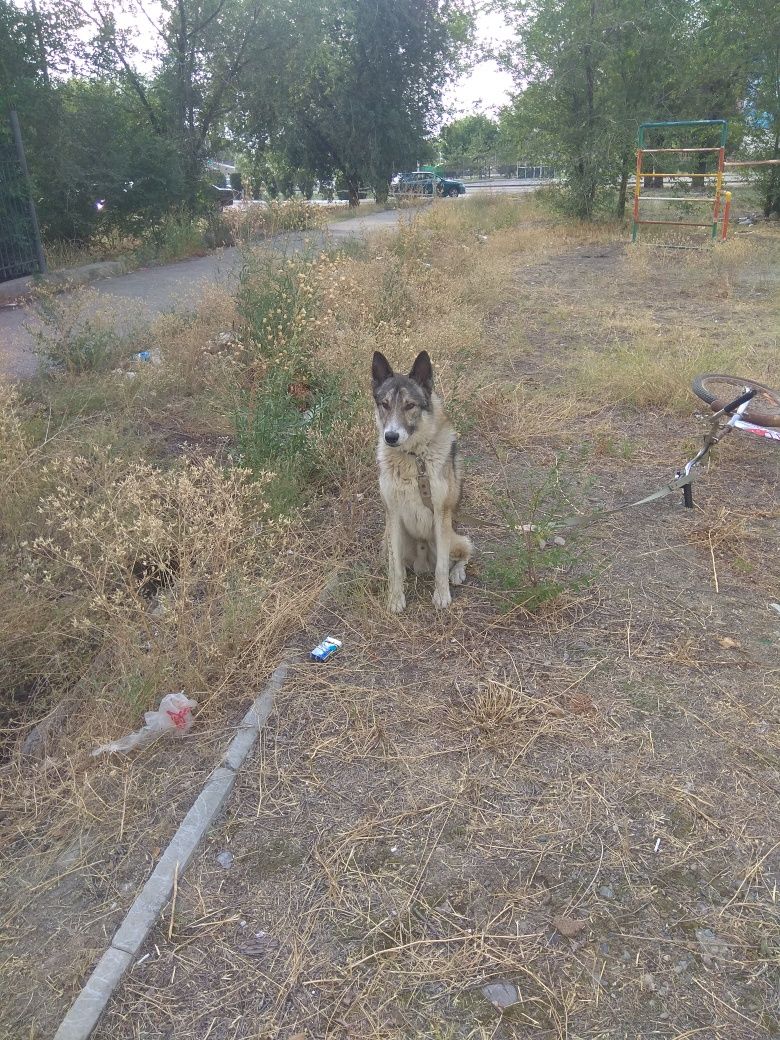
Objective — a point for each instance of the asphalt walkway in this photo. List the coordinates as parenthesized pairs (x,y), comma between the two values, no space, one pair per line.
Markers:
(153,290)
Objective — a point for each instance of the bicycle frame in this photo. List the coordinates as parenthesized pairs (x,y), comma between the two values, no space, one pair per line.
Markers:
(717,432)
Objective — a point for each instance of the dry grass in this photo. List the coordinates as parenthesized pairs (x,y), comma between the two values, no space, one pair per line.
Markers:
(427,806)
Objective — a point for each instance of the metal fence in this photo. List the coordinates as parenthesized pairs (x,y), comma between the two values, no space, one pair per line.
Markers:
(20,246)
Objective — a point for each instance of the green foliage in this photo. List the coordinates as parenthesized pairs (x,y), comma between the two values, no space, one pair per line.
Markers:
(367,86)
(284,420)
(538,566)
(68,338)
(469,142)
(276,434)
(589,71)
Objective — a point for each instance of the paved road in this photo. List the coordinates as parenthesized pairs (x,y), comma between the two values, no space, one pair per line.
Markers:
(153,290)
(508,185)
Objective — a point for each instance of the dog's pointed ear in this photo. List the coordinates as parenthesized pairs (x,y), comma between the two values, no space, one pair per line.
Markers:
(422,371)
(380,370)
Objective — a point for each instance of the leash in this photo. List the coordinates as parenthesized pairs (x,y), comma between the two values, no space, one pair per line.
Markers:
(682,481)
(683,478)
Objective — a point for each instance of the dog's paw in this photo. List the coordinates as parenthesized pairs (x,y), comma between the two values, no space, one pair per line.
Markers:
(442,598)
(396,602)
(458,573)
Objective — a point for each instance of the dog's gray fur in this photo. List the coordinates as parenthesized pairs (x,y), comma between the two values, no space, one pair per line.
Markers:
(412,425)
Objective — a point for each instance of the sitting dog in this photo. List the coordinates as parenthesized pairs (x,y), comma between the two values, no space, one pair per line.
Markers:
(420,479)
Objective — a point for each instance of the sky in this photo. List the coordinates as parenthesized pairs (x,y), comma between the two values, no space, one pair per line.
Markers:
(487,87)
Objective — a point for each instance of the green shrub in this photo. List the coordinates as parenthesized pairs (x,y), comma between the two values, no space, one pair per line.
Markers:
(538,566)
(70,336)
(284,420)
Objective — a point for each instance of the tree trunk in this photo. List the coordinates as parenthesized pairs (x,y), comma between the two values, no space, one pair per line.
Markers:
(772,190)
(42,58)
(381,190)
(625,168)
(353,189)
(589,181)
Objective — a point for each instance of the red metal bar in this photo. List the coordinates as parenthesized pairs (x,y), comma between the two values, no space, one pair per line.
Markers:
(683,198)
(678,223)
(726,211)
(647,173)
(718,188)
(657,151)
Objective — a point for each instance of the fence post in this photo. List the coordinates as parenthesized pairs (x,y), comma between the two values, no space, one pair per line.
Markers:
(17,133)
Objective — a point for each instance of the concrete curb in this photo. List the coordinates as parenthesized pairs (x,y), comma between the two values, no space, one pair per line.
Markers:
(18,288)
(91,1002)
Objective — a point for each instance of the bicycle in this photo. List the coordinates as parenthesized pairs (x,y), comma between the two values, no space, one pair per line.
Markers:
(756,410)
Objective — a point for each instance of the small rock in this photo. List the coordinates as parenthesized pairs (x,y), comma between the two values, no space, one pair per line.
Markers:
(711,946)
(606,892)
(647,982)
(680,966)
(557,540)
(501,994)
(569,926)
(226,859)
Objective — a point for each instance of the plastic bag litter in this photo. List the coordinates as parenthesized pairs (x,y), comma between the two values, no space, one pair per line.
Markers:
(174,716)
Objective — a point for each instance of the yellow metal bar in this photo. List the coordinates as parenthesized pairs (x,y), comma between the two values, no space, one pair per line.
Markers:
(658,173)
(669,198)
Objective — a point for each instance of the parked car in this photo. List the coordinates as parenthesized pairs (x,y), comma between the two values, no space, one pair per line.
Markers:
(422,182)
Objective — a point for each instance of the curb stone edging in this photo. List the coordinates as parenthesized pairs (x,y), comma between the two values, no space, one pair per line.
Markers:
(91,1002)
(17,289)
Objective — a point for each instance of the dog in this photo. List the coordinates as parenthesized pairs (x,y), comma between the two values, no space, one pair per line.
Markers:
(420,480)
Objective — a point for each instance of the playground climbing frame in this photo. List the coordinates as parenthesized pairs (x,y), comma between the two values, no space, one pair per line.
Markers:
(717,175)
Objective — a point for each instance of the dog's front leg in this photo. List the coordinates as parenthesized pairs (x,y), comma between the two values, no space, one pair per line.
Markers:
(396,567)
(442,527)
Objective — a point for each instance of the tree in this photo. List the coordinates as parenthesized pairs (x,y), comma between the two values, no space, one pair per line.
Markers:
(365,87)
(205,50)
(589,71)
(469,141)
(747,35)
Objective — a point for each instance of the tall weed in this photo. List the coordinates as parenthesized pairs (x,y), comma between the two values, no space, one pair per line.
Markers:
(293,402)
(72,334)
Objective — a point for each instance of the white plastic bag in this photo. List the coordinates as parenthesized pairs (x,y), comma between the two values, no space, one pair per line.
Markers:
(174,717)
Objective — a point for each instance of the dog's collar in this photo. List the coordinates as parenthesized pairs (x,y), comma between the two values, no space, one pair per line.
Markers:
(423,481)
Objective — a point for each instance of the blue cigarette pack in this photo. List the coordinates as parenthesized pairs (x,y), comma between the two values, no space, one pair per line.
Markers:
(327,648)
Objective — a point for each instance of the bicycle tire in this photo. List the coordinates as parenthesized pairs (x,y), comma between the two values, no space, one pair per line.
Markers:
(716,391)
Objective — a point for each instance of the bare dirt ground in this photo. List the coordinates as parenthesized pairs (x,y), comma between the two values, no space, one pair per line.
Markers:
(551,812)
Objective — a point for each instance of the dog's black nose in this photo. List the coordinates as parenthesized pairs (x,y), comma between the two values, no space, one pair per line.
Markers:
(391,438)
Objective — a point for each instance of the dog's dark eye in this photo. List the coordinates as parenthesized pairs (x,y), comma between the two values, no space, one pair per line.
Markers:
(409,407)
(385,405)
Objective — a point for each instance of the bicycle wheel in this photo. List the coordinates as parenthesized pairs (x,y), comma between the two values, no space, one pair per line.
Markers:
(718,390)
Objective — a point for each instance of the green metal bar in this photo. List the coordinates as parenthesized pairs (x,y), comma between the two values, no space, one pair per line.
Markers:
(690,122)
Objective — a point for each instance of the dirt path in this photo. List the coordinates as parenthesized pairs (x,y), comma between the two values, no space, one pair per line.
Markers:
(154,290)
